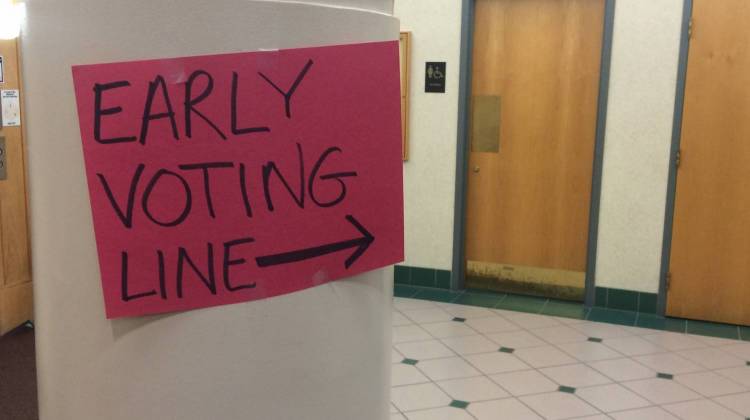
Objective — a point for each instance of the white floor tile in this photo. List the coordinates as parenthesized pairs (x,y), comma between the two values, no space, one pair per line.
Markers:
(471,344)
(701,410)
(418,397)
(675,341)
(710,384)
(475,389)
(739,374)
(448,329)
(633,346)
(668,363)
(407,303)
(612,397)
(424,350)
(650,413)
(524,382)
(492,324)
(402,374)
(467,312)
(715,341)
(568,321)
(406,333)
(398,319)
(623,369)
(740,403)
(712,358)
(425,315)
(507,409)
(711,378)
(662,391)
(444,413)
(544,356)
(516,339)
(558,334)
(587,351)
(558,405)
(741,350)
(496,362)
(601,330)
(396,357)
(448,368)
(577,376)
(529,321)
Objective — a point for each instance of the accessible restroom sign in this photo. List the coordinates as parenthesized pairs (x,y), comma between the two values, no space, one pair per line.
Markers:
(228,178)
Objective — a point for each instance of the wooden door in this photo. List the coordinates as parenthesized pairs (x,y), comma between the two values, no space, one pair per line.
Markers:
(710,254)
(15,276)
(535,85)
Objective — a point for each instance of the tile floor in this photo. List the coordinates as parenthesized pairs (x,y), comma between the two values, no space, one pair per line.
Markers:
(456,362)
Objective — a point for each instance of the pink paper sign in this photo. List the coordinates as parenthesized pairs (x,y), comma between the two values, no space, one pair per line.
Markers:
(228,178)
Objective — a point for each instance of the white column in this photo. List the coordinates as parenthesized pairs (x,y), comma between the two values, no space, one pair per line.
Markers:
(318,354)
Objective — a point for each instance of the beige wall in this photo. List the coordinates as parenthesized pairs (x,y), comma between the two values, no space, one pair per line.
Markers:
(636,152)
(429,175)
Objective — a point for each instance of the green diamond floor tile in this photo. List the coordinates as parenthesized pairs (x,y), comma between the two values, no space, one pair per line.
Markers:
(506,350)
(595,339)
(522,304)
(567,389)
(713,329)
(664,375)
(459,404)
(408,361)
(612,316)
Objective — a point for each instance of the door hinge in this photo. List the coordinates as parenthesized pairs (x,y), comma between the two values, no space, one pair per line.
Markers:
(690,29)
(678,158)
(669,280)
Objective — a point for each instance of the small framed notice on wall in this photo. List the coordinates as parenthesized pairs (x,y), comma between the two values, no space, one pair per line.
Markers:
(434,77)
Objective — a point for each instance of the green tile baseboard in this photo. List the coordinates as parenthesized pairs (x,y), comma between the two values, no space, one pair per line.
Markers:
(422,277)
(572,310)
(605,297)
(625,300)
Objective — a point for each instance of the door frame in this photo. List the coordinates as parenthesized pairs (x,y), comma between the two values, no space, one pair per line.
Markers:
(679,106)
(458,272)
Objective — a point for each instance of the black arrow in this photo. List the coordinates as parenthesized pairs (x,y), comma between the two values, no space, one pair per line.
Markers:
(361,243)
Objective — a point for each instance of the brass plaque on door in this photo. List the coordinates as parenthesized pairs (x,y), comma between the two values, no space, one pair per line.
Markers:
(485,124)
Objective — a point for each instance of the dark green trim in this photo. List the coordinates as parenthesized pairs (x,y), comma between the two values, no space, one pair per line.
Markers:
(679,103)
(558,308)
(462,145)
(625,300)
(422,277)
(598,164)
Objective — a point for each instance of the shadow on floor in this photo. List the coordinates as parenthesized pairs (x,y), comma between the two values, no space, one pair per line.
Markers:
(18,399)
